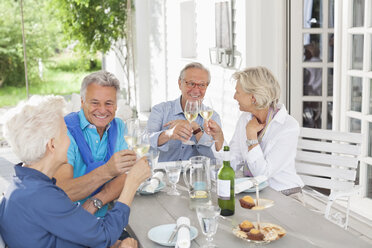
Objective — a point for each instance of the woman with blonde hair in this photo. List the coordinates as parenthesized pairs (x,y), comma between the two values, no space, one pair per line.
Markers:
(34,211)
(265,137)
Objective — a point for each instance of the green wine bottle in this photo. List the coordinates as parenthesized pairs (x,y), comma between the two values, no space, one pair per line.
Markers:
(225,186)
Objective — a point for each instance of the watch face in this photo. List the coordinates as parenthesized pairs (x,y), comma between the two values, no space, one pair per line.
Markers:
(97,203)
(252,142)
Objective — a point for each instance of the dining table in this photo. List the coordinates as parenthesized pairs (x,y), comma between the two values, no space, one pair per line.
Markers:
(304,227)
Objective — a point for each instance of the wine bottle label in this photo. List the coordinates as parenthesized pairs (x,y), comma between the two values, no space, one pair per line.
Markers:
(226,156)
(223,189)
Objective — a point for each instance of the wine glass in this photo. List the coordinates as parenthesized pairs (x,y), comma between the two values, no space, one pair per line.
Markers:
(191,113)
(215,166)
(208,220)
(142,146)
(173,171)
(206,111)
(131,130)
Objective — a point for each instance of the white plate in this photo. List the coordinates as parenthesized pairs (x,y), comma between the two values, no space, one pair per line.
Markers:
(160,234)
(261,186)
(160,187)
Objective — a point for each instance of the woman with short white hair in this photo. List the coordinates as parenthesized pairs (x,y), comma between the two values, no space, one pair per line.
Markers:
(35,212)
(265,137)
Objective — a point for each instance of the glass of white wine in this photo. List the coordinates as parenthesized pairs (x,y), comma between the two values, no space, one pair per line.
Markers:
(206,111)
(131,130)
(142,145)
(191,113)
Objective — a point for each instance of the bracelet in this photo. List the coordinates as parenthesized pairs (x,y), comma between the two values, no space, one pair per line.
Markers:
(198,130)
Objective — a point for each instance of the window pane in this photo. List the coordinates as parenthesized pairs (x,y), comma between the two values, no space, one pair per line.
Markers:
(329,114)
(312,82)
(355,125)
(330,47)
(312,114)
(313,13)
(369,181)
(358,13)
(357,55)
(370,140)
(330,82)
(312,48)
(331,13)
(356,94)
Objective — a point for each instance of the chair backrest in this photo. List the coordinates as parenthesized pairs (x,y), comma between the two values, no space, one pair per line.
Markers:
(328,159)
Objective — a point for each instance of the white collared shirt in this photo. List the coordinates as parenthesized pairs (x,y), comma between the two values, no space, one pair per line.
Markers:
(274,157)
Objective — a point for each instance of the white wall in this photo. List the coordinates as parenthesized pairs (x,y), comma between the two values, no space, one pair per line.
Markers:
(260,38)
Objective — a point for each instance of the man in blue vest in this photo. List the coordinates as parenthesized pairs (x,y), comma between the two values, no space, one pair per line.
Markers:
(97,156)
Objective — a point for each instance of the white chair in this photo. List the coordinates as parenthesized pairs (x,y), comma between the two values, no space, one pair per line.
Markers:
(329,159)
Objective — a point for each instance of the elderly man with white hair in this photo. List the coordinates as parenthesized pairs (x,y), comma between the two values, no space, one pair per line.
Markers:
(97,144)
(35,212)
(170,132)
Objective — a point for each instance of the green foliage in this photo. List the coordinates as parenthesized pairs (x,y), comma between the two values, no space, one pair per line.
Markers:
(96,24)
(42,38)
(58,80)
(74,62)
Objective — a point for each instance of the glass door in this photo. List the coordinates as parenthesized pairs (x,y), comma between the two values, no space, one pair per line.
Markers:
(311,67)
(356,100)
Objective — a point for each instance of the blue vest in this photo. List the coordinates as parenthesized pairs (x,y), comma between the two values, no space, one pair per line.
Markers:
(73,124)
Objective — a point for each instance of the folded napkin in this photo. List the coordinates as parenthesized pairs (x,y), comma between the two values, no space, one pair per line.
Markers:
(154,182)
(247,184)
(183,235)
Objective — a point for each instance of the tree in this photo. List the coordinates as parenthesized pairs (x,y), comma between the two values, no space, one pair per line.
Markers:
(41,33)
(98,26)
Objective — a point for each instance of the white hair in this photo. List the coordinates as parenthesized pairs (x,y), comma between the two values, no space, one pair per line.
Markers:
(29,126)
(192,66)
(102,78)
(260,82)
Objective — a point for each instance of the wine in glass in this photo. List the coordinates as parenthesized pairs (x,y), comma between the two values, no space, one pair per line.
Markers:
(208,220)
(173,171)
(206,111)
(131,130)
(191,113)
(142,145)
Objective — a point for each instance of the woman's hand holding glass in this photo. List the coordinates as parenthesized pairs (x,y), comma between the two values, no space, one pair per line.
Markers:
(212,128)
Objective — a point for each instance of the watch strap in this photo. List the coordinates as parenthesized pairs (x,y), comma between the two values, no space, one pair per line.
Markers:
(251,142)
(198,130)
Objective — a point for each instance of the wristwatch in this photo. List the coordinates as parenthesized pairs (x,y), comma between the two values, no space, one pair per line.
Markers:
(199,129)
(251,142)
(97,203)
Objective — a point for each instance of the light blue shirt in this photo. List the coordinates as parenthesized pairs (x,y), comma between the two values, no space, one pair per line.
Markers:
(174,150)
(98,147)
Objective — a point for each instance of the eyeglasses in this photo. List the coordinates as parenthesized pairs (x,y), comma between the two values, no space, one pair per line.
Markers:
(191,84)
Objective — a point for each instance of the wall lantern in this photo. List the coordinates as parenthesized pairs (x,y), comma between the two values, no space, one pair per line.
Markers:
(224,54)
